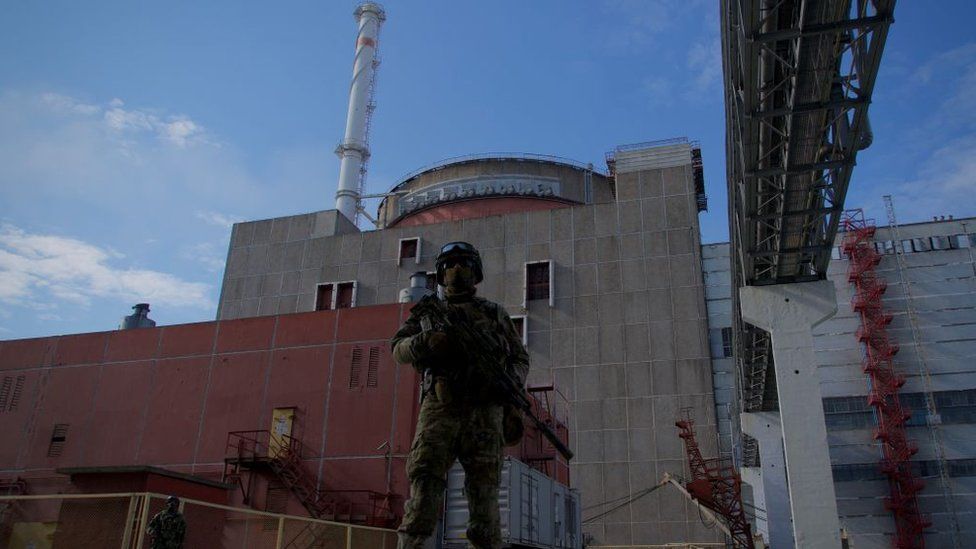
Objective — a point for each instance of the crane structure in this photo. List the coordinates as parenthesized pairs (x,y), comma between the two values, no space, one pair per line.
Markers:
(716,485)
(884,381)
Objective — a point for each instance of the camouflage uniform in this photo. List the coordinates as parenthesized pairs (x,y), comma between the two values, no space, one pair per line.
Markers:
(167,530)
(460,419)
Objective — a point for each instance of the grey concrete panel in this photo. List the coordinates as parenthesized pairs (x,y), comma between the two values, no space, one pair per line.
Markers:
(270,285)
(562,224)
(237,262)
(372,245)
(637,342)
(351,248)
(641,443)
(607,249)
(563,314)
(537,226)
(241,235)
(678,211)
(309,278)
(657,271)
(229,310)
(515,259)
(681,241)
(659,305)
(675,180)
(640,413)
(257,259)
(639,379)
(610,309)
(268,306)
(248,308)
(591,447)
(616,449)
(668,445)
(588,414)
(688,340)
(564,378)
(539,350)
(287,304)
(686,301)
(635,306)
(613,381)
(628,186)
(317,250)
(614,413)
(632,246)
(611,344)
(652,185)
(369,274)
(252,287)
(537,252)
(585,279)
(664,377)
(694,376)
(562,252)
(473,231)
(563,347)
(365,295)
(587,346)
(583,222)
(605,219)
(631,219)
(300,227)
(608,277)
(653,214)
(590,480)
(387,294)
(494,232)
(684,271)
(262,231)
(293,256)
(349,271)
(233,289)
(655,244)
(584,251)
(279,229)
(632,275)
(662,339)
(619,533)
(515,230)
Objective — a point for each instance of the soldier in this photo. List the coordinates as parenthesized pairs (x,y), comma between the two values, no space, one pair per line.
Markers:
(462,417)
(168,527)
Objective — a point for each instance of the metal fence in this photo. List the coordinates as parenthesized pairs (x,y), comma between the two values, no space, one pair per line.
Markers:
(89,521)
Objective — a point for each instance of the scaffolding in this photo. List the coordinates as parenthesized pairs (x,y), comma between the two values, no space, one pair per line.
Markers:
(884,381)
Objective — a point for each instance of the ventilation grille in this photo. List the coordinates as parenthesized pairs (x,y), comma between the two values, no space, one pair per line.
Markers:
(10,390)
(58,439)
(355,367)
(372,372)
(372,368)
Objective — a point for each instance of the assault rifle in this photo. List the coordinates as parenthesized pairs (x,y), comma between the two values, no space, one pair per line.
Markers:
(434,315)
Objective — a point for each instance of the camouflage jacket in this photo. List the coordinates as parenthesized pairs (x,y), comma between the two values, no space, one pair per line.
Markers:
(167,530)
(409,345)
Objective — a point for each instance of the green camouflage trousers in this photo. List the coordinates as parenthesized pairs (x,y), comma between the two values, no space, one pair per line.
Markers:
(473,436)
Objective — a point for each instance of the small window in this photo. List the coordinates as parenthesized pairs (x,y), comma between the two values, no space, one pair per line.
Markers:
(58,439)
(521,325)
(727,342)
(921,244)
(409,249)
(940,243)
(538,276)
(907,247)
(323,297)
(345,295)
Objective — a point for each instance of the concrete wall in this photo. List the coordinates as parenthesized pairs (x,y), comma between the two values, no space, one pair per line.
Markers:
(943,286)
(625,338)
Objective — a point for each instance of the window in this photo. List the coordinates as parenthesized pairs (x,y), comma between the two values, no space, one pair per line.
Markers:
(58,439)
(921,244)
(727,342)
(335,295)
(521,323)
(538,276)
(409,249)
(345,295)
(323,297)
(940,243)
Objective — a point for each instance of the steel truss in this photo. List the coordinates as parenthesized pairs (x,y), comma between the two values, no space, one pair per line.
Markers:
(799,75)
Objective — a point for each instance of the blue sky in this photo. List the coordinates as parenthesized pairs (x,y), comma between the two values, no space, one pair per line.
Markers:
(132,135)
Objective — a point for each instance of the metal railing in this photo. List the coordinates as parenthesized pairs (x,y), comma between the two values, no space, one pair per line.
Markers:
(122,519)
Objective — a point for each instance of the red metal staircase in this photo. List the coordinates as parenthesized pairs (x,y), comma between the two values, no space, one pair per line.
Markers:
(879,352)
(716,484)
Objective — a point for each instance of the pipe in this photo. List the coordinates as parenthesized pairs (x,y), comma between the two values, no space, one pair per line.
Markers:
(353,150)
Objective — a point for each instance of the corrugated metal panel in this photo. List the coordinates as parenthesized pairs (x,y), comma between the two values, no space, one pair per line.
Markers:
(665,156)
(533,509)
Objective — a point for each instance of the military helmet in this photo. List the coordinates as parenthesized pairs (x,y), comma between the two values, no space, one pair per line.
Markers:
(456,250)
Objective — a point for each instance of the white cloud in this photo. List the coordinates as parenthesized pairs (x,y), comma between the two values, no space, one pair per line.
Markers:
(704,62)
(207,254)
(217,219)
(36,267)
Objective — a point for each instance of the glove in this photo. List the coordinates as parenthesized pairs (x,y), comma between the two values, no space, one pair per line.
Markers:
(437,343)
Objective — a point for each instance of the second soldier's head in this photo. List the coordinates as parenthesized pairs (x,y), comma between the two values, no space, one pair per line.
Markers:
(459,266)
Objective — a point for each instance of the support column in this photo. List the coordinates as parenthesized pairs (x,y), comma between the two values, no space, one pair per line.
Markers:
(769,480)
(789,312)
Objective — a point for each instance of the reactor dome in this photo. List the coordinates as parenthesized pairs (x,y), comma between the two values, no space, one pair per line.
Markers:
(491,184)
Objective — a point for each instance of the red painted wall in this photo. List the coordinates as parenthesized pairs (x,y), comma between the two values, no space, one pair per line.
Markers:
(168,397)
(478,207)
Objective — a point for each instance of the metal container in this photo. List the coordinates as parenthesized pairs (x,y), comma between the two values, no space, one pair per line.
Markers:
(536,511)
